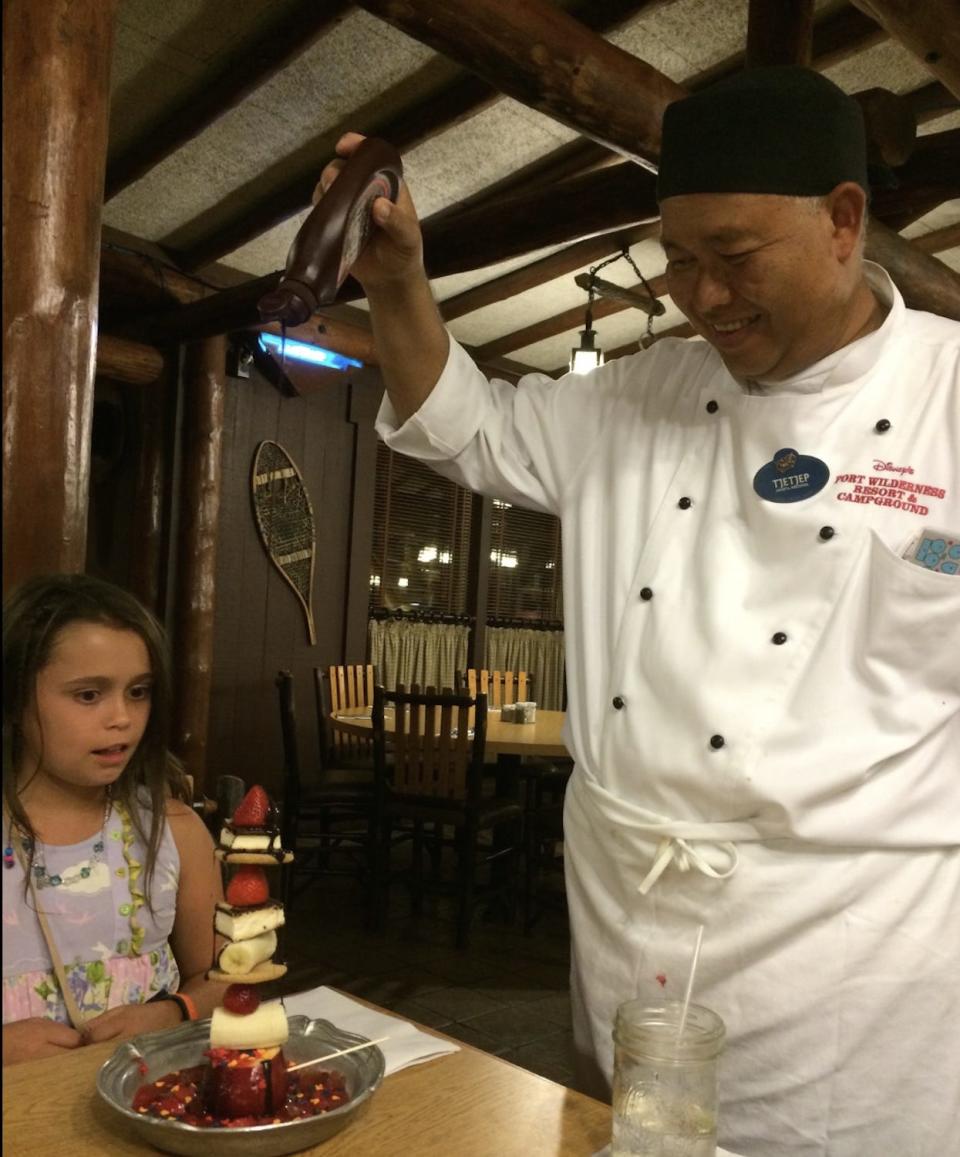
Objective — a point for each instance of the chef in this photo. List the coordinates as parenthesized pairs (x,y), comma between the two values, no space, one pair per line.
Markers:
(761,536)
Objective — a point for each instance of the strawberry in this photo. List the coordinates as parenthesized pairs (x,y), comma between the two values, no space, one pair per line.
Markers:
(248,887)
(241,999)
(254,809)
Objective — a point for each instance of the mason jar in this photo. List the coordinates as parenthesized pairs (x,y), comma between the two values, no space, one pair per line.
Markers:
(664,1084)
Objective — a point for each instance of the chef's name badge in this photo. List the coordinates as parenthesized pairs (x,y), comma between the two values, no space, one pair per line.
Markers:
(791,477)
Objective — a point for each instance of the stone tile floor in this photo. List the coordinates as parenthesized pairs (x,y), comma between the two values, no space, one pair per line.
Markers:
(507,994)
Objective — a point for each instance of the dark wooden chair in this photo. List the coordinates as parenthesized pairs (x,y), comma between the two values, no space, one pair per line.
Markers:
(436,777)
(329,819)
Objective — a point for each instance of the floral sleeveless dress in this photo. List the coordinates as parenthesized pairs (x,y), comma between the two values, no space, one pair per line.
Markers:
(115,951)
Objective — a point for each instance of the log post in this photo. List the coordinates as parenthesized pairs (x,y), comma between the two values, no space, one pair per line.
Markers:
(204,389)
(779,32)
(151,494)
(56,99)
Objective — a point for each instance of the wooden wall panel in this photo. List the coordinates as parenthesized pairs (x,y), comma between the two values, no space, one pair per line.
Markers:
(260,626)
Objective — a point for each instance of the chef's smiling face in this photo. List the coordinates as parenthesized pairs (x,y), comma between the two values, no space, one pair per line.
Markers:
(770,281)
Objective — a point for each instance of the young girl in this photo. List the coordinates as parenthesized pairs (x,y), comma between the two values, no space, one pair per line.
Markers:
(96,833)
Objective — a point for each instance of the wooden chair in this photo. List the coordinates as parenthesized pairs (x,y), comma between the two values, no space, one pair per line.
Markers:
(328,822)
(337,688)
(500,687)
(437,777)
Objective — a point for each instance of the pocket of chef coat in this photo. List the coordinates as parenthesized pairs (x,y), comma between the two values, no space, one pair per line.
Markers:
(910,624)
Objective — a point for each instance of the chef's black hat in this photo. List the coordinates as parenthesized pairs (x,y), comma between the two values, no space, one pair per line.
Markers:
(784,130)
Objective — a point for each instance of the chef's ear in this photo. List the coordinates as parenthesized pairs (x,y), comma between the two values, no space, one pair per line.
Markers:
(847,206)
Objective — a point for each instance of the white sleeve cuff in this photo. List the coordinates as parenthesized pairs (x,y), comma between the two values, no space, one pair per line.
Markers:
(449,418)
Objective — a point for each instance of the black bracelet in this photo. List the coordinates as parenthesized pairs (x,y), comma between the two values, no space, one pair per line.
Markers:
(186,1011)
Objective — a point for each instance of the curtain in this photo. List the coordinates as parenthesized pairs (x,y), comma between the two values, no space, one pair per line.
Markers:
(539,653)
(406,652)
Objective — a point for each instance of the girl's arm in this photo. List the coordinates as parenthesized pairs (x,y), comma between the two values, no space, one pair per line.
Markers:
(192,939)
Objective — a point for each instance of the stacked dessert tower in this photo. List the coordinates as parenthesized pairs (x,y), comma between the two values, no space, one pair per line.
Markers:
(249,1073)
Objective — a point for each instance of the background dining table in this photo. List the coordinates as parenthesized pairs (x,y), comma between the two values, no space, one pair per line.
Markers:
(469,1103)
(541,738)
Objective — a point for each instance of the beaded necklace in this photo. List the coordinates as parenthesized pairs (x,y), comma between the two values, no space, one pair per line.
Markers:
(41,877)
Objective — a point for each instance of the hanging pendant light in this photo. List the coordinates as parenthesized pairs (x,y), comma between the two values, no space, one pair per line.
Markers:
(588,355)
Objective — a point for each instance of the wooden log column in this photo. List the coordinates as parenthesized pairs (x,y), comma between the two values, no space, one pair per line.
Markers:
(204,388)
(56,97)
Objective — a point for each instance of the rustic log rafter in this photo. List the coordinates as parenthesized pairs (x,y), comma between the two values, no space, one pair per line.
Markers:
(241,298)
(930,29)
(455,102)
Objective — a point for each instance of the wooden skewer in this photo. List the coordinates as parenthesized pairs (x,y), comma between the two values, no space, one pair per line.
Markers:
(340,1053)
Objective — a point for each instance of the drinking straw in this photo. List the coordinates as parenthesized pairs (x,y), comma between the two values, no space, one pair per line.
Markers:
(693,972)
(340,1053)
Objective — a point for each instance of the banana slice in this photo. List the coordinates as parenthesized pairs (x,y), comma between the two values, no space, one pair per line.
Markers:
(263,1028)
(242,956)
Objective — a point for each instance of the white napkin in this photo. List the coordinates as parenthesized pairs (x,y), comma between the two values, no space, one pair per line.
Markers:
(407,1045)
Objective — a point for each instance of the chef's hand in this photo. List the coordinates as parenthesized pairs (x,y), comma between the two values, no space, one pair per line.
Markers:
(395,251)
(36,1037)
(131,1019)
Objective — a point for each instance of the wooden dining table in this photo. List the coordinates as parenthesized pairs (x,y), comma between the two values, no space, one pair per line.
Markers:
(541,738)
(467,1103)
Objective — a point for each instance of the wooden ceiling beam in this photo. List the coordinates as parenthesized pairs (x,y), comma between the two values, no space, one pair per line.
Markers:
(282,41)
(937,240)
(567,320)
(925,282)
(543,57)
(546,269)
(930,29)
(779,32)
(930,176)
(931,101)
(623,196)
(455,102)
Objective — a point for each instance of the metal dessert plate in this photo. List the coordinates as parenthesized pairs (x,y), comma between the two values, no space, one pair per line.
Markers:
(164,1052)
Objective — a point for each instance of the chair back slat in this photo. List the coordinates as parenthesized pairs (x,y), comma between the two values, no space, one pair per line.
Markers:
(346,687)
(500,687)
(433,753)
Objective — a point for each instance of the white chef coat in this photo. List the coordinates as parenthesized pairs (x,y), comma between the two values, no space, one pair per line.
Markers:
(763,710)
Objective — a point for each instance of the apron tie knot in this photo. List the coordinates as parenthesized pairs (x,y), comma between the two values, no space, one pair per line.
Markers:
(674,849)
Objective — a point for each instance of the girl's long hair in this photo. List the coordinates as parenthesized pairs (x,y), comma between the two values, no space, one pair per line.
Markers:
(33,617)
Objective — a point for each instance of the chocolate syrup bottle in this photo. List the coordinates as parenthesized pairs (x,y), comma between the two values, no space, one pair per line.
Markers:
(334,235)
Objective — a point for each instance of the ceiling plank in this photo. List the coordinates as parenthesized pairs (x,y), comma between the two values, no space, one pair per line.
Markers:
(544,58)
(779,32)
(453,103)
(276,45)
(930,29)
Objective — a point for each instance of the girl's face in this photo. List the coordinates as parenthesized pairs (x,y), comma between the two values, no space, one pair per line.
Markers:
(90,707)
